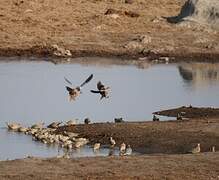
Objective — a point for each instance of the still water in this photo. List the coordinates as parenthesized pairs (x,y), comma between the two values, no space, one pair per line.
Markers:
(34,91)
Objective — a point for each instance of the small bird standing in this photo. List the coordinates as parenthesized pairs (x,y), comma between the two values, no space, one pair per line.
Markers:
(102,90)
(213,149)
(75,92)
(96,146)
(122,148)
(54,125)
(155,118)
(197,149)
(128,150)
(112,142)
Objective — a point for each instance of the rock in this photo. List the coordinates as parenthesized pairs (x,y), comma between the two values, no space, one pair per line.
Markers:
(129,1)
(111,11)
(60,52)
(198,11)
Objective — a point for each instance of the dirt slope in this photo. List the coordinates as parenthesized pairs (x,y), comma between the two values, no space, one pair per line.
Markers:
(101,27)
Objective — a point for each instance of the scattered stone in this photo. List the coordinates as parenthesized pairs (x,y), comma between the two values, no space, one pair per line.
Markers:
(121,13)
(129,1)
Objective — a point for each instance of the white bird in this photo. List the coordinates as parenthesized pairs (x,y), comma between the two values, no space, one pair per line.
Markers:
(213,149)
(197,149)
(54,125)
(22,129)
(13,126)
(128,150)
(96,146)
(112,141)
(122,148)
(37,126)
(71,122)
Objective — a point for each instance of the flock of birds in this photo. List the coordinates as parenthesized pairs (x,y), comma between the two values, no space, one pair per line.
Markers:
(67,140)
(70,140)
(74,92)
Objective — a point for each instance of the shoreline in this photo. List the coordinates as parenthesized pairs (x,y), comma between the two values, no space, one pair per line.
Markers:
(46,52)
(174,167)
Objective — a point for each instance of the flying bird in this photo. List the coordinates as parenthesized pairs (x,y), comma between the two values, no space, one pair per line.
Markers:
(102,90)
(75,92)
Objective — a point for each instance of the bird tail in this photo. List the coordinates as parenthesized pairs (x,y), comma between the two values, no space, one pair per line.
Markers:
(93,91)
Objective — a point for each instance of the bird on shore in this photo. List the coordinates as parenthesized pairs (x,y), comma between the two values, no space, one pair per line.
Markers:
(75,92)
(54,125)
(102,90)
(96,146)
(13,126)
(128,150)
(87,121)
(38,125)
(122,148)
(155,118)
(197,149)
(112,142)
(213,149)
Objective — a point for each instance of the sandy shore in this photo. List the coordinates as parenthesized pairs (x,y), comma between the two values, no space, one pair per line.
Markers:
(164,148)
(175,167)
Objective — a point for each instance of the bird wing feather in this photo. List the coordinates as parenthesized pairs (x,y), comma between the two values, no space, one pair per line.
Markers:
(87,80)
(68,88)
(100,86)
(67,80)
(93,91)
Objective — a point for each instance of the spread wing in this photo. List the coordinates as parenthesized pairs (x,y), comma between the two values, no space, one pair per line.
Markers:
(67,80)
(93,91)
(68,88)
(87,80)
(100,86)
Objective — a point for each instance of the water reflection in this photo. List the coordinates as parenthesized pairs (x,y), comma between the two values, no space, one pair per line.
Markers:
(199,74)
(103,62)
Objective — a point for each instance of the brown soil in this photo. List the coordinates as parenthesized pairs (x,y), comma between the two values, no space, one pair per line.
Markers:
(154,137)
(85,28)
(174,167)
(166,140)
(191,112)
